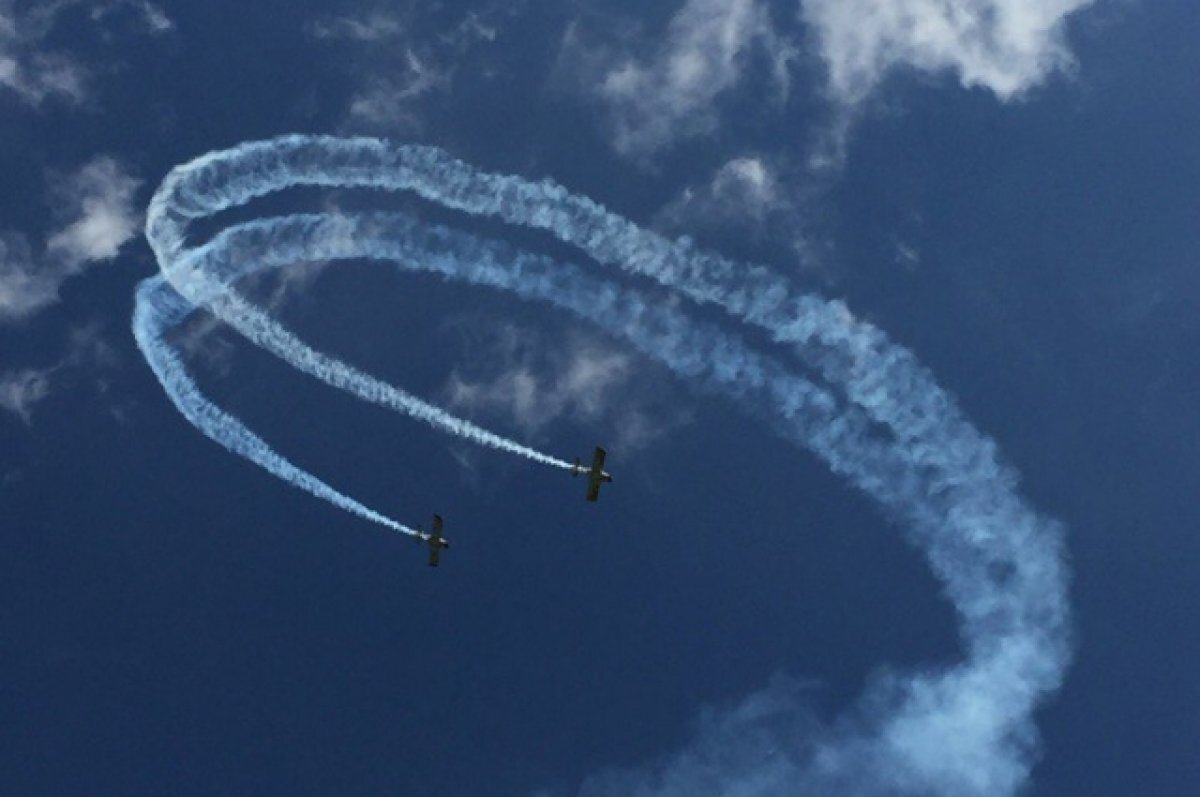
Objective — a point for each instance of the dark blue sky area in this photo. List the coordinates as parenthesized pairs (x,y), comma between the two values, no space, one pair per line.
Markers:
(175,621)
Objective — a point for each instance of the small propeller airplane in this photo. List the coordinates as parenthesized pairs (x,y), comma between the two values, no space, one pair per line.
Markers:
(435,540)
(596,474)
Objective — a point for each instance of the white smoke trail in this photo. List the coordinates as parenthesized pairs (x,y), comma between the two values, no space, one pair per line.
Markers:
(157,309)
(264,331)
(964,731)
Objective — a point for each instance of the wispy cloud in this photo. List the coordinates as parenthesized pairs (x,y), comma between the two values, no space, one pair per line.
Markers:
(392,99)
(369,27)
(37,73)
(759,199)
(150,16)
(658,94)
(578,381)
(671,92)
(742,193)
(21,390)
(26,70)
(1004,46)
(407,58)
(97,216)
(98,200)
(535,384)
(25,286)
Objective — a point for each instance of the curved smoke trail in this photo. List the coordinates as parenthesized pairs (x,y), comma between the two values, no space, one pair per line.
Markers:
(157,309)
(880,420)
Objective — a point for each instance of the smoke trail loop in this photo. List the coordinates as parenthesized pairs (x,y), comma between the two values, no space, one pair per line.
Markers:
(876,417)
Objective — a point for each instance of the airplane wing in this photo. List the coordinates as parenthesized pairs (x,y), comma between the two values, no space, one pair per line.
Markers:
(434,552)
(437,525)
(596,474)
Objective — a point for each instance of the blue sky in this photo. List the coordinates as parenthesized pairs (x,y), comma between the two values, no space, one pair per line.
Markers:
(1008,189)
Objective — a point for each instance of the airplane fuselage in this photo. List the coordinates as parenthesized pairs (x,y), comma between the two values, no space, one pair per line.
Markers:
(436,544)
(596,474)
(435,541)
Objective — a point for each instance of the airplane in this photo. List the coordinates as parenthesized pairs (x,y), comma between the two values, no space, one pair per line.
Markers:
(596,474)
(435,540)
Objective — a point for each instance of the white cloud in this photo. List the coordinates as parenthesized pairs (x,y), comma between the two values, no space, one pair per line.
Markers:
(36,74)
(96,205)
(99,200)
(410,60)
(578,382)
(31,74)
(673,93)
(372,26)
(1004,46)
(743,192)
(391,99)
(907,255)
(523,378)
(758,201)
(25,285)
(21,390)
(151,17)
